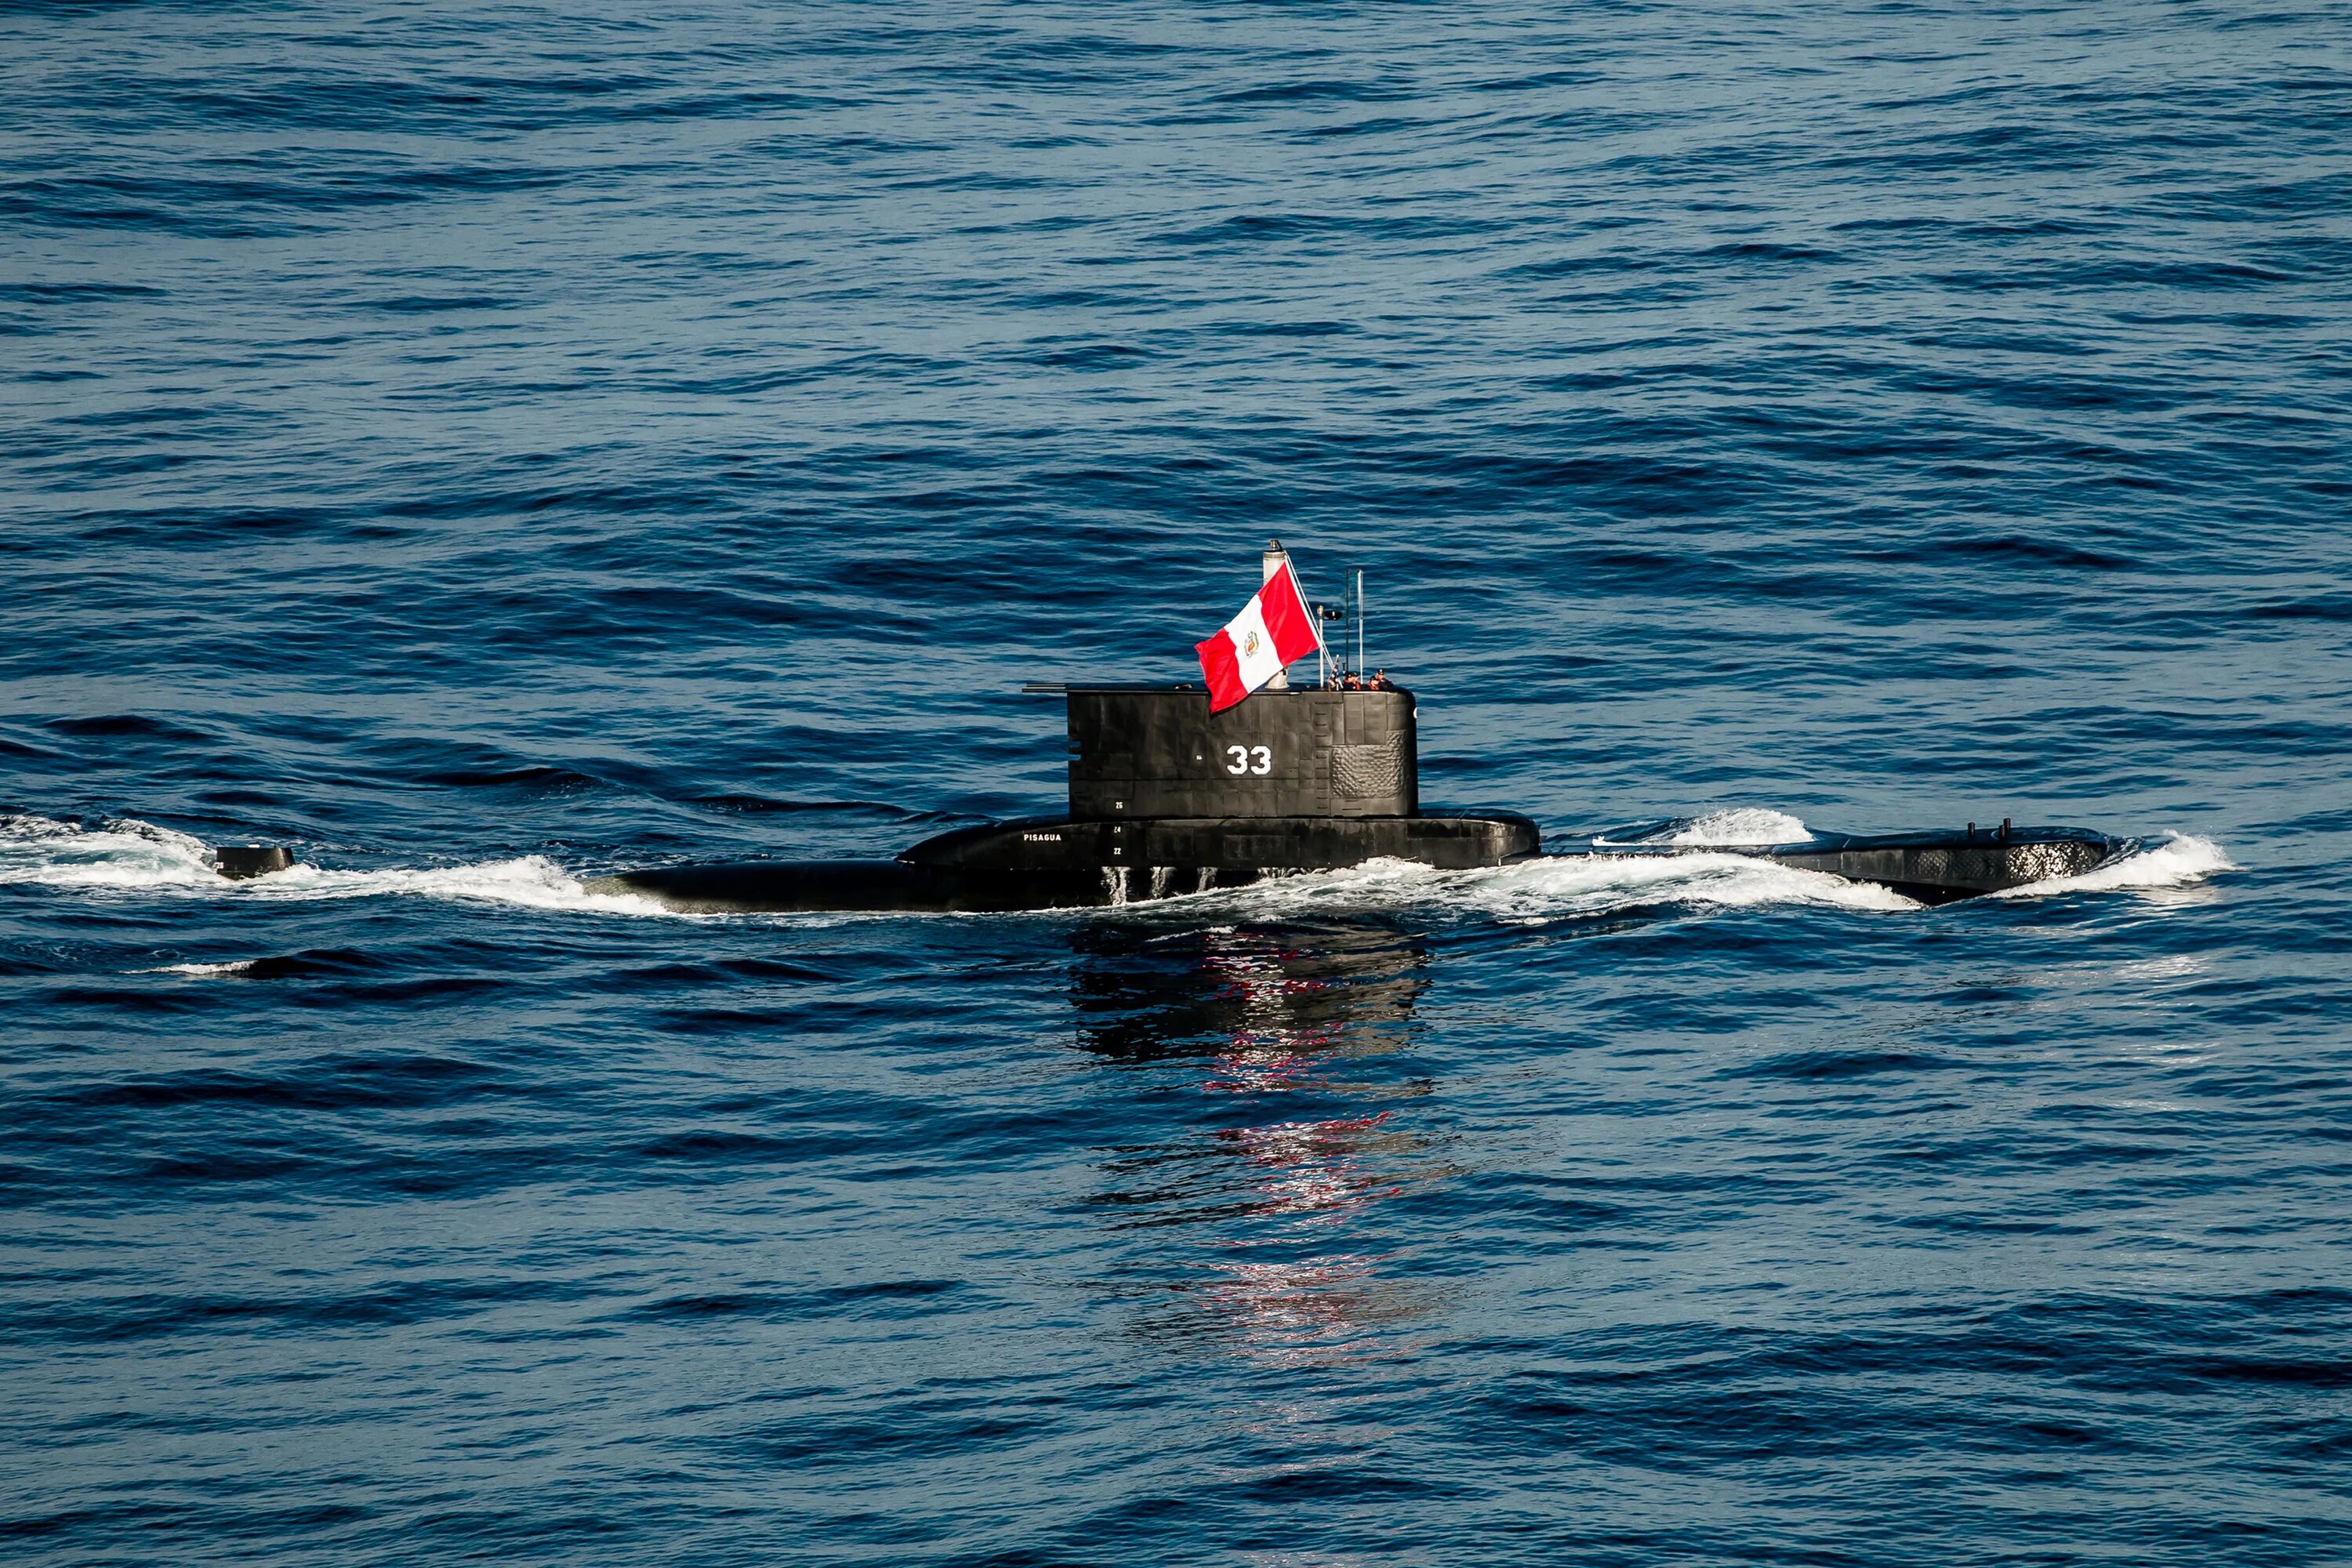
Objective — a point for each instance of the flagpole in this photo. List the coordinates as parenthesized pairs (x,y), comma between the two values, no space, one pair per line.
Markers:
(1315,619)
(1274,557)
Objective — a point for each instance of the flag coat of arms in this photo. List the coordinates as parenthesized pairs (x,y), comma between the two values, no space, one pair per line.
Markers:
(1274,628)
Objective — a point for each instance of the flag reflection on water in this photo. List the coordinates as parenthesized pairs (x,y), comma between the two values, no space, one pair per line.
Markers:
(1274,1239)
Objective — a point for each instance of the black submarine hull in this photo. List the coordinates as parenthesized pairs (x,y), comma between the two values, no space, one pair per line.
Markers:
(1052,862)
(843,887)
(1048,863)
(1932,867)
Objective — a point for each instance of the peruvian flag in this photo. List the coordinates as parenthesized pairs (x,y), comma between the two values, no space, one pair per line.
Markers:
(1273,629)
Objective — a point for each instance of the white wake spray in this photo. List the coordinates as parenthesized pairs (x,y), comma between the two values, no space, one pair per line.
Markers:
(1533,891)
(131,856)
(530,881)
(127,853)
(1743,824)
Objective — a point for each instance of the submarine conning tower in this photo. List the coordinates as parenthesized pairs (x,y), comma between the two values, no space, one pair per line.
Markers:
(1159,752)
(1167,795)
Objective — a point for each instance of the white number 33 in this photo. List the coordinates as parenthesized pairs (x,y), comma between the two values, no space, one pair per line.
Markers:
(1258,760)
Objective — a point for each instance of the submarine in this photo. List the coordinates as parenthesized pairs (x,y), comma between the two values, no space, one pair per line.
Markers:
(1167,798)
(1170,792)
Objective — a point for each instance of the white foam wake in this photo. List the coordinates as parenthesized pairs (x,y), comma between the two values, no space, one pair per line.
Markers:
(1743,824)
(1534,892)
(2182,858)
(128,855)
(531,881)
(124,854)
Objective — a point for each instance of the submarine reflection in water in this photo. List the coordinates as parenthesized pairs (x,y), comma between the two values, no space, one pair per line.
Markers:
(1258,1226)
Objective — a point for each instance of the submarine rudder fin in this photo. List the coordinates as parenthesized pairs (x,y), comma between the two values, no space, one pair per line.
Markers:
(242,862)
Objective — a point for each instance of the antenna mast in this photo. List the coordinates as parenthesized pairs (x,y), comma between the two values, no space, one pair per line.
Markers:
(1356,613)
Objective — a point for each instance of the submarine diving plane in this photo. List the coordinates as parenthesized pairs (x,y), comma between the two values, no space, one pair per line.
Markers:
(1180,789)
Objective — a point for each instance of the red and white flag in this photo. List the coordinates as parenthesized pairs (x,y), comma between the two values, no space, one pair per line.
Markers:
(1275,628)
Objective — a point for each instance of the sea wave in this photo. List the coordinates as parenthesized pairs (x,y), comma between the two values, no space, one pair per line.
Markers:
(127,854)
(122,853)
(1743,824)
(1553,888)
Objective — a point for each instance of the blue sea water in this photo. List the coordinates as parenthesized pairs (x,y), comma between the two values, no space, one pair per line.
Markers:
(486,447)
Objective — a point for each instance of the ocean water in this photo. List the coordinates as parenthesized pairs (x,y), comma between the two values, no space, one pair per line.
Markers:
(486,447)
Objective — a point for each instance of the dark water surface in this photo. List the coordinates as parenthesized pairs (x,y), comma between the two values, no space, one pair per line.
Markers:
(486,447)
